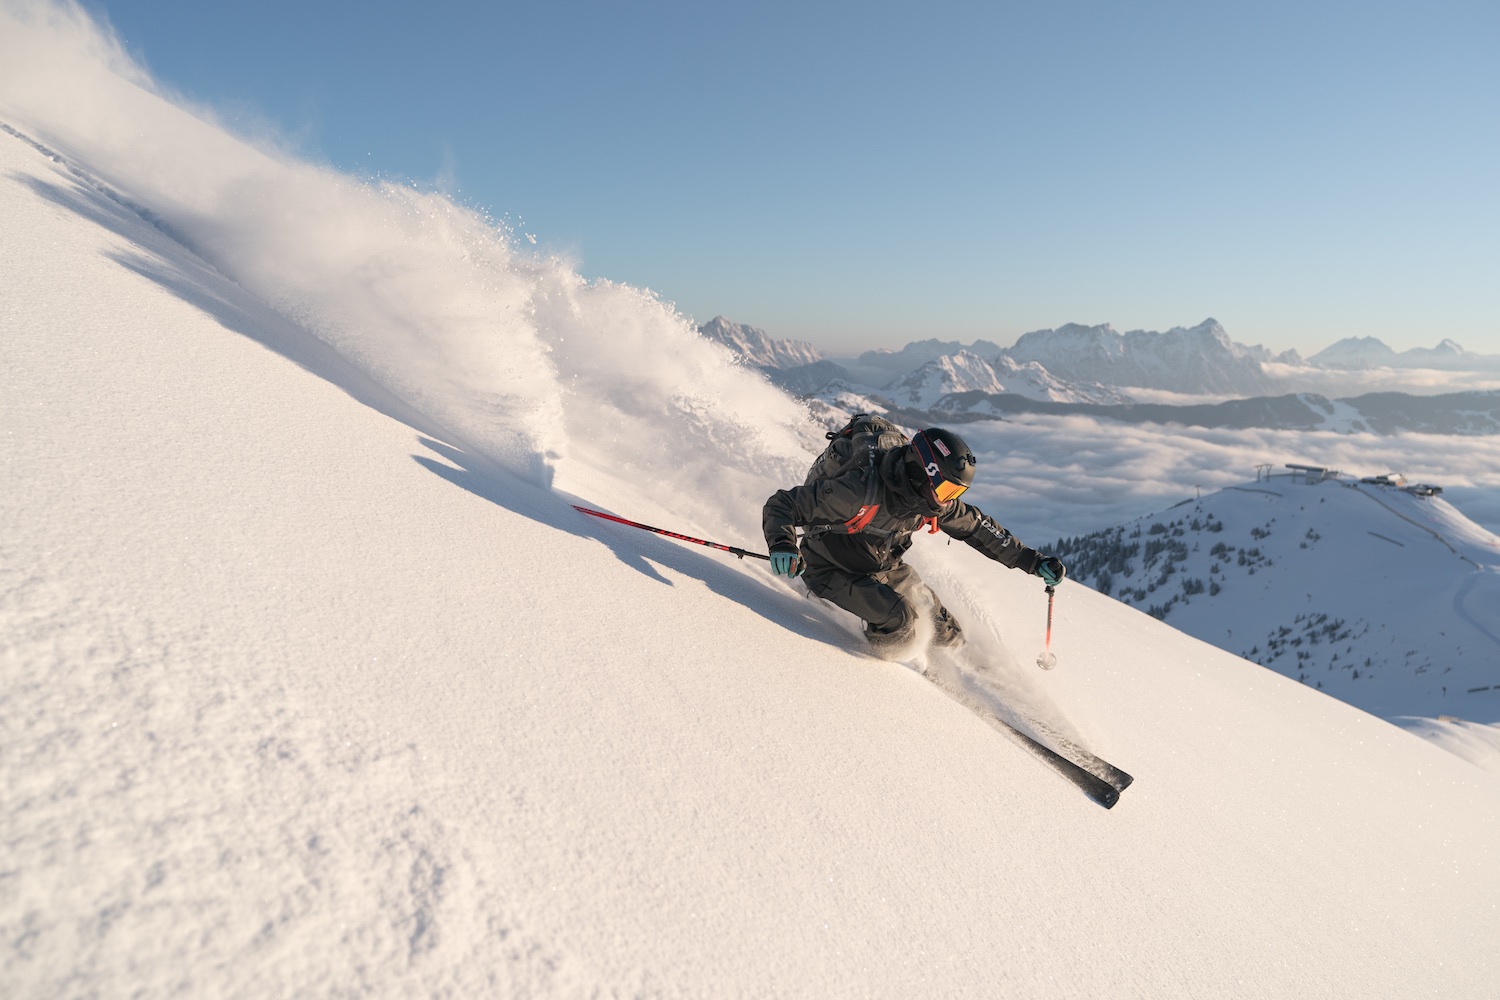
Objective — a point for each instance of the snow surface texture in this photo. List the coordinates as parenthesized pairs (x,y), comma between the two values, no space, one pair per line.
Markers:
(312,687)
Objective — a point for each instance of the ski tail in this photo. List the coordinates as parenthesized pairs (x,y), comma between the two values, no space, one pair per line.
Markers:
(1097,788)
(1096,777)
(1089,761)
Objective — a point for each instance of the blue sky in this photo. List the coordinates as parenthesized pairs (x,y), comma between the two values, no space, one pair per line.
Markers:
(864,174)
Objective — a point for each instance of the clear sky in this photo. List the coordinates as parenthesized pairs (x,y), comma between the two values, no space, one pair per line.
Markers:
(864,174)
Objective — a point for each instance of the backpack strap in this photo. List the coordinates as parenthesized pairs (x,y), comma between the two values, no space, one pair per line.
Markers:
(866,513)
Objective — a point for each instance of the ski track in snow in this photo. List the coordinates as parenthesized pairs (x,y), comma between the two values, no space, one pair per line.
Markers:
(1491,585)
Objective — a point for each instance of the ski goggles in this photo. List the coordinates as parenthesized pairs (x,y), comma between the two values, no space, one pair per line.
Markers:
(943,488)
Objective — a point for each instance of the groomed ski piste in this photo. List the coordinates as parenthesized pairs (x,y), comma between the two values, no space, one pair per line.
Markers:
(315,683)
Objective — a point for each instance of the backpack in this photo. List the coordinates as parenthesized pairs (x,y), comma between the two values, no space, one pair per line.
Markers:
(862,441)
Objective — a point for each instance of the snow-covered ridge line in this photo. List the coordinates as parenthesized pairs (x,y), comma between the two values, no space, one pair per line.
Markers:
(434,305)
(1102,368)
(756,348)
(94,183)
(1361,353)
(1284,574)
(1199,359)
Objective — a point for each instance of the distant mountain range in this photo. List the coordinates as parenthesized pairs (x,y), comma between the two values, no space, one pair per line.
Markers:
(1093,370)
(1198,360)
(1363,353)
(965,373)
(918,376)
(757,348)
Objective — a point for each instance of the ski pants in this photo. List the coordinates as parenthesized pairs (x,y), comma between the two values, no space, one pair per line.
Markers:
(887,601)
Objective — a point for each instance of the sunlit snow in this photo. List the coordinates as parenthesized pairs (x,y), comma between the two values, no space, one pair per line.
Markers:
(314,682)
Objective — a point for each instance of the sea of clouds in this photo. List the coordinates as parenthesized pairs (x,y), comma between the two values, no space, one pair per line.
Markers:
(1047,477)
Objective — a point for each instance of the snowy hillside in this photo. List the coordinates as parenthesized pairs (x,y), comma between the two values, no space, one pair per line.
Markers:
(1384,598)
(1032,381)
(961,372)
(882,368)
(314,683)
(932,386)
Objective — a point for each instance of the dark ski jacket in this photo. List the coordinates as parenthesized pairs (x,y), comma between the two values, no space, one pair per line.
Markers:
(829,512)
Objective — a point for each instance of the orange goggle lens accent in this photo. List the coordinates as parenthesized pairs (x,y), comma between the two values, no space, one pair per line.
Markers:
(943,489)
(947,490)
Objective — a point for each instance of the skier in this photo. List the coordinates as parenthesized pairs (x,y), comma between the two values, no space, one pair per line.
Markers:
(856,534)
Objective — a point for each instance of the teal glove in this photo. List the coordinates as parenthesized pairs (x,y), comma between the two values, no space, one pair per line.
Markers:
(1051,570)
(787,564)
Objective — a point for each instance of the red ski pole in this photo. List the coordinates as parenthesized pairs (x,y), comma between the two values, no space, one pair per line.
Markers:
(732,550)
(1048,659)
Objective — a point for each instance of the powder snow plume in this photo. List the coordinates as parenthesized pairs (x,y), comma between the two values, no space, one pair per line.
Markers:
(506,353)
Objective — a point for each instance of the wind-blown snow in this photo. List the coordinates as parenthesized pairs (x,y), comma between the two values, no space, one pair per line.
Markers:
(312,686)
(502,350)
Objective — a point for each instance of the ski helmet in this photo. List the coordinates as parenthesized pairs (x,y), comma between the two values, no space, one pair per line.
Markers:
(947,461)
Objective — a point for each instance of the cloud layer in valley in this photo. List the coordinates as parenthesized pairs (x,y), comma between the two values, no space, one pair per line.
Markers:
(1049,476)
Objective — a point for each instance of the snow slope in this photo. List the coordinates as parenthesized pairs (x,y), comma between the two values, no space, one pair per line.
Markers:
(961,372)
(313,685)
(1384,599)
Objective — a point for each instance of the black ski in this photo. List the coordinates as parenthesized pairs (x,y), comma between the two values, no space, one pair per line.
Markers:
(1090,762)
(1095,787)
(1098,779)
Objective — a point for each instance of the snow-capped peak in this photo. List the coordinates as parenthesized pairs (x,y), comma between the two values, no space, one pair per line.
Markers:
(757,348)
(951,373)
(1362,353)
(1199,359)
